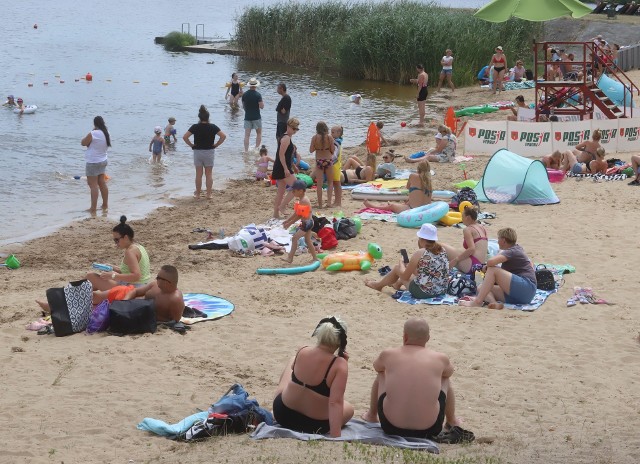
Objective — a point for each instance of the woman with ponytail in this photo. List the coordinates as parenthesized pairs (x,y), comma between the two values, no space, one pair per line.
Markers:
(204,145)
(97,142)
(305,401)
(420,190)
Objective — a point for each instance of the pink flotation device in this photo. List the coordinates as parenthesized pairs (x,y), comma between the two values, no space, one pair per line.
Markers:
(555,175)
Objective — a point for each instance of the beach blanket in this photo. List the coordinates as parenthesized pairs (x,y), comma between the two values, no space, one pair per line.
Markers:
(538,300)
(214,307)
(356,430)
(585,295)
(171,430)
(599,177)
(519,85)
(377,215)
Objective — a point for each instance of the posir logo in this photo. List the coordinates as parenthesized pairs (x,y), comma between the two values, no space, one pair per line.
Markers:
(491,137)
(608,135)
(573,138)
(631,133)
(534,139)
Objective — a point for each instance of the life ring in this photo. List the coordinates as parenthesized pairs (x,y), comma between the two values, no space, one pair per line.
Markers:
(423,214)
(290,270)
(451,218)
(29,109)
(463,205)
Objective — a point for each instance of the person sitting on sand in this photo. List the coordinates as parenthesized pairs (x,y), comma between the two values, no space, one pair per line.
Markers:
(134,269)
(597,166)
(355,172)
(518,103)
(552,161)
(586,151)
(167,299)
(445,150)
(514,282)
(420,190)
(305,401)
(412,393)
(387,170)
(426,275)
(635,164)
(518,72)
(475,243)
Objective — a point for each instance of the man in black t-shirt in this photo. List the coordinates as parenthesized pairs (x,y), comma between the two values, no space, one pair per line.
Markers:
(283,109)
(252,104)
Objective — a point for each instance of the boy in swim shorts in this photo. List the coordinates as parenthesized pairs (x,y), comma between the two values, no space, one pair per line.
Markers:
(170,131)
(301,212)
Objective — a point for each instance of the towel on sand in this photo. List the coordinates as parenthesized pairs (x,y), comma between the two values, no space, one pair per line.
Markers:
(171,430)
(355,430)
(377,214)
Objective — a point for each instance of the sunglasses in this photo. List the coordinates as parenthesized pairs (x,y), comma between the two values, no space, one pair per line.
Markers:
(162,278)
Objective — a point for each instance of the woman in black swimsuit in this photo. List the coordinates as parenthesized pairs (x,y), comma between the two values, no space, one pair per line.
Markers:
(303,397)
(282,167)
(234,88)
(354,172)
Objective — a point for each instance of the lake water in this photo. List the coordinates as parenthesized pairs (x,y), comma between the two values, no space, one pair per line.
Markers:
(40,153)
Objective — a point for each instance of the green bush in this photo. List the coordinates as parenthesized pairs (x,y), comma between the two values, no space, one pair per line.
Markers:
(379,41)
(175,41)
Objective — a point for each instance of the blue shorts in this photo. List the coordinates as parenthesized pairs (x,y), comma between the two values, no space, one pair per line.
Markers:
(521,291)
(576,168)
(446,71)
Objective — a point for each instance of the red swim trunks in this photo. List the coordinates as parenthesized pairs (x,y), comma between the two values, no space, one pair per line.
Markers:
(119,292)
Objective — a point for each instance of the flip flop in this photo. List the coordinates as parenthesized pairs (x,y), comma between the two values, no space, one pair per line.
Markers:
(397,295)
(455,435)
(383,271)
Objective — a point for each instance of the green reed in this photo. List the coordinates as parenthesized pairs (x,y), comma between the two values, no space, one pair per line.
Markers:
(380,41)
(175,41)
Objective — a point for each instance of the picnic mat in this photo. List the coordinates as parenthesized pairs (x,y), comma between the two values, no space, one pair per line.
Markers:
(214,307)
(541,297)
(356,430)
(599,177)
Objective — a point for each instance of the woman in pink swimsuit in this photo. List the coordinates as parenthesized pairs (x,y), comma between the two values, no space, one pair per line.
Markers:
(475,243)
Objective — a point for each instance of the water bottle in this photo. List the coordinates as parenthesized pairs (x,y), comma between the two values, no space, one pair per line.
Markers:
(221,233)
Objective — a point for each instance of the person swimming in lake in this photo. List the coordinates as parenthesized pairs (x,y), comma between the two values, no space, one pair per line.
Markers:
(420,191)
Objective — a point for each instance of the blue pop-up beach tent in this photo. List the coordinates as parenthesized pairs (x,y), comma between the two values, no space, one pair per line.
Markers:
(511,178)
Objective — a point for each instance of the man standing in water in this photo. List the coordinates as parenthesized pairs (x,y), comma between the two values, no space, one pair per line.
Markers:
(252,104)
(422,81)
(283,109)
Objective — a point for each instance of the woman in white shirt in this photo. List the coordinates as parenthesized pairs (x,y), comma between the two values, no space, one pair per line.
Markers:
(97,142)
(447,70)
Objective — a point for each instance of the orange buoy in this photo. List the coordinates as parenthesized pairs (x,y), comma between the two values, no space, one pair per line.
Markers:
(450,120)
(88,77)
(373,138)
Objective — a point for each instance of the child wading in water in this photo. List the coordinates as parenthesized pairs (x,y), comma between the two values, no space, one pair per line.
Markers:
(170,131)
(302,212)
(263,164)
(157,145)
(323,144)
(234,91)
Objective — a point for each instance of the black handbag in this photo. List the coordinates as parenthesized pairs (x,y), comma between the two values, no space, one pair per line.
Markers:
(545,279)
(71,307)
(132,317)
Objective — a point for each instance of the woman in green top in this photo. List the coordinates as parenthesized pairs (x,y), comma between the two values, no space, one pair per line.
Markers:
(134,268)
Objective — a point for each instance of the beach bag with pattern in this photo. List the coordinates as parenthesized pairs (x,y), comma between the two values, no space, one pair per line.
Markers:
(465,194)
(545,279)
(460,286)
(70,307)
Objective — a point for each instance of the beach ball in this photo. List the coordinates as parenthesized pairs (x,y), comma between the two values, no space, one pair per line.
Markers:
(403,124)
(88,77)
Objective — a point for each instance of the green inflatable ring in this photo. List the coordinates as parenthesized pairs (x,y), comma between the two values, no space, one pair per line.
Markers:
(305,178)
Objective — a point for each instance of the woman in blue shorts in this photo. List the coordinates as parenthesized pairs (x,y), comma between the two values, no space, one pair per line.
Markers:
(514,282)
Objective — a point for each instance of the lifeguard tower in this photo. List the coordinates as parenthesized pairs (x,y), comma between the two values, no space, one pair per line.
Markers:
(580,94)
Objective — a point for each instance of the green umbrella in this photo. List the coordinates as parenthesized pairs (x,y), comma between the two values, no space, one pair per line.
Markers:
(499,11)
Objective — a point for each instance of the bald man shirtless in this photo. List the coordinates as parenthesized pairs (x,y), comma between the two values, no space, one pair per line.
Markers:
(412,393)
(164,292)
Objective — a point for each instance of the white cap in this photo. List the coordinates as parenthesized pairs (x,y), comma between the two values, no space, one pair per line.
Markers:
(157,130)
(428,232)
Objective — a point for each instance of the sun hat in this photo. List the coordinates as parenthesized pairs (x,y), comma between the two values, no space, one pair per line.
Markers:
(499,47)
(157,129)
(253,82)
(428,232)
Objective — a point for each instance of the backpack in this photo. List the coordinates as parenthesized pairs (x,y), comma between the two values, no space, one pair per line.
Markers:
(465,194)
(545,279)
(460,285)
(345,228)
(327,237)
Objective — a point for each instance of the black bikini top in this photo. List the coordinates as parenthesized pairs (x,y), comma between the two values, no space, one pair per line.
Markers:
(322,388)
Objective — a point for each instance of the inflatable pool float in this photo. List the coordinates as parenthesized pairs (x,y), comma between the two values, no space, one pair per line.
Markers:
(29,109)
(303,164)
(351,260)
(451,218)
(289,270)
(373,138)
(555,175)
(472,110)
(466,183)
(418,154)
(415,217)
(369,192)
(305,178)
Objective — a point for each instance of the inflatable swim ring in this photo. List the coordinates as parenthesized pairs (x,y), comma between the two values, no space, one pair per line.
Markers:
(289,270)
(351,260)
(423,214)
(28,109)
(451,218)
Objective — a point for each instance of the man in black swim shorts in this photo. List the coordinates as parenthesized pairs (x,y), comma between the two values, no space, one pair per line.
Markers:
(412,393)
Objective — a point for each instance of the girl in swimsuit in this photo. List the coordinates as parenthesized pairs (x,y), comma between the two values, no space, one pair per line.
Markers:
(445,150)
(355,172)
(323,145)
(585,152)
(499,63)
(235,89)
(306,402)
(419,185)
(263,163)
(475,243)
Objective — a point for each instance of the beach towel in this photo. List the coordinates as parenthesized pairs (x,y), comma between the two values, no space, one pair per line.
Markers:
(377,214)
(214,307)
(540,297)
(599,177)
(519,85)
(585,295)
(171,430)
(356,430)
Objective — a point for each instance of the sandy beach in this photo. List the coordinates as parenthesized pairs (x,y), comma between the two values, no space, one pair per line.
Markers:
(561,384)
